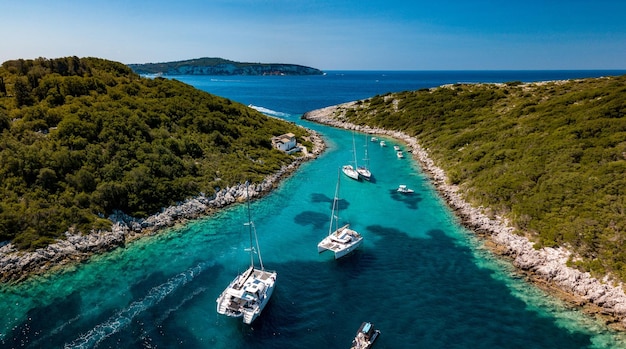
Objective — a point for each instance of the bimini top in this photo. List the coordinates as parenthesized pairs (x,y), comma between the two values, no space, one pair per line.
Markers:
(367,327)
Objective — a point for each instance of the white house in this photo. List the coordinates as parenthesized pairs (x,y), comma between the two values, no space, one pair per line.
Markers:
(286,142)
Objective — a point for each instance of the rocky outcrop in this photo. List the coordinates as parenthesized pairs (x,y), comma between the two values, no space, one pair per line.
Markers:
(17,265)
(546,267)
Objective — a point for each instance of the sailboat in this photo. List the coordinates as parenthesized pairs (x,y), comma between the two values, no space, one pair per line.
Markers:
(342,240)
(350,170)
(249,292)
(363,170)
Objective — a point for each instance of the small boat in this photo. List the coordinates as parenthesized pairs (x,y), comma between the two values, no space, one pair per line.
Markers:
(400,154)
(396,148)
(250,291)
(383,144)
(342,240)
(374,139)
(365,336)
(404,190)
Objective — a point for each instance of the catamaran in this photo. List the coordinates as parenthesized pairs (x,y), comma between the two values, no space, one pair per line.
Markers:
(342,240)
(249,292)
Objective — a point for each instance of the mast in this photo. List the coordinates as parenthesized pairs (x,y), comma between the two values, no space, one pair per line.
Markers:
(366,159)
(249,224)
(252,231)
(334,214)
(354,151)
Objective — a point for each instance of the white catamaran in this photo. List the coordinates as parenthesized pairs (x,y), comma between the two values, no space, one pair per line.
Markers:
(342,240)
(249,292)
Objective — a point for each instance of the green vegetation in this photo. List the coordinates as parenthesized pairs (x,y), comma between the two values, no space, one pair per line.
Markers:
(80,138)
(550,157)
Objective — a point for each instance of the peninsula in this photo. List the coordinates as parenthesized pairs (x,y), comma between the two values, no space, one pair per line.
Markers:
(220,66)
(94,155)
(536,169)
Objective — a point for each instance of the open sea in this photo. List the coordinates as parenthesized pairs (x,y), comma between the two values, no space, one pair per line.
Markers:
(420,277)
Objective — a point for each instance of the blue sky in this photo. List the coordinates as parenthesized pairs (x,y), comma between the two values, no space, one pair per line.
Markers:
(325,34)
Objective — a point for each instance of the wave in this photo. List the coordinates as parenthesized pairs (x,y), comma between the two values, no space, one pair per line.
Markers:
(124,317)
(269,111)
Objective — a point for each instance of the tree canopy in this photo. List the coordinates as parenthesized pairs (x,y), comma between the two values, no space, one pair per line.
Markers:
(550,157)
(83,137)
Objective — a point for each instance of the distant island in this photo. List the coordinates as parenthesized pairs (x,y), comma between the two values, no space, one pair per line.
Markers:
(220,66)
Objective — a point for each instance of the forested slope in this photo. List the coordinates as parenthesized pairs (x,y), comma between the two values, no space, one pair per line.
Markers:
(80,138)
(550,157)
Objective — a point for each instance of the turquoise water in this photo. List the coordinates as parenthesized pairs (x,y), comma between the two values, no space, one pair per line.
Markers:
(419,277)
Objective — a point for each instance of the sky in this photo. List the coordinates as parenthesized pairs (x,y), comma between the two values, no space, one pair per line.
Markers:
(325,34)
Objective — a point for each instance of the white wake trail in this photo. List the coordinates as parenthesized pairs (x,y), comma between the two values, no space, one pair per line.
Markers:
(124,317)
(269,111)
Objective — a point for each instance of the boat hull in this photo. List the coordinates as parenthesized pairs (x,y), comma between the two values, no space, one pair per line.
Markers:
(346,251)
(364,173)
(349,171)
(249,317)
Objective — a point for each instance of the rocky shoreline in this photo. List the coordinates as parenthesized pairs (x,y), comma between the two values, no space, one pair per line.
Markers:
(544,267)
(16,266)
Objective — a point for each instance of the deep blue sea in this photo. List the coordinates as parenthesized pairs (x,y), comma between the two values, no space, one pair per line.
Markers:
(421,278)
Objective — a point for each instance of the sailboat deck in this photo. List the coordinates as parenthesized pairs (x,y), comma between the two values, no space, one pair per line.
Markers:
(331,246)
(263,274)
(340,239)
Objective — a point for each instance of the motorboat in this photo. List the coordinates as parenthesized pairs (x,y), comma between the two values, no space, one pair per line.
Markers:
(365,336)
(404,190)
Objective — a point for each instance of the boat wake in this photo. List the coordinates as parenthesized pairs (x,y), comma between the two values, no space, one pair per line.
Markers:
(168,312)
(225,80)
(124,317)
(269,112)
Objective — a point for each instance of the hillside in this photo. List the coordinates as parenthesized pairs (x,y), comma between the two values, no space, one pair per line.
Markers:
(550,157)
(82,138)
(219,66)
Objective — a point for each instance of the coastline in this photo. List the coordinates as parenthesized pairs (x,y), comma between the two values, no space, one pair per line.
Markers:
(17,266)
(547,267)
